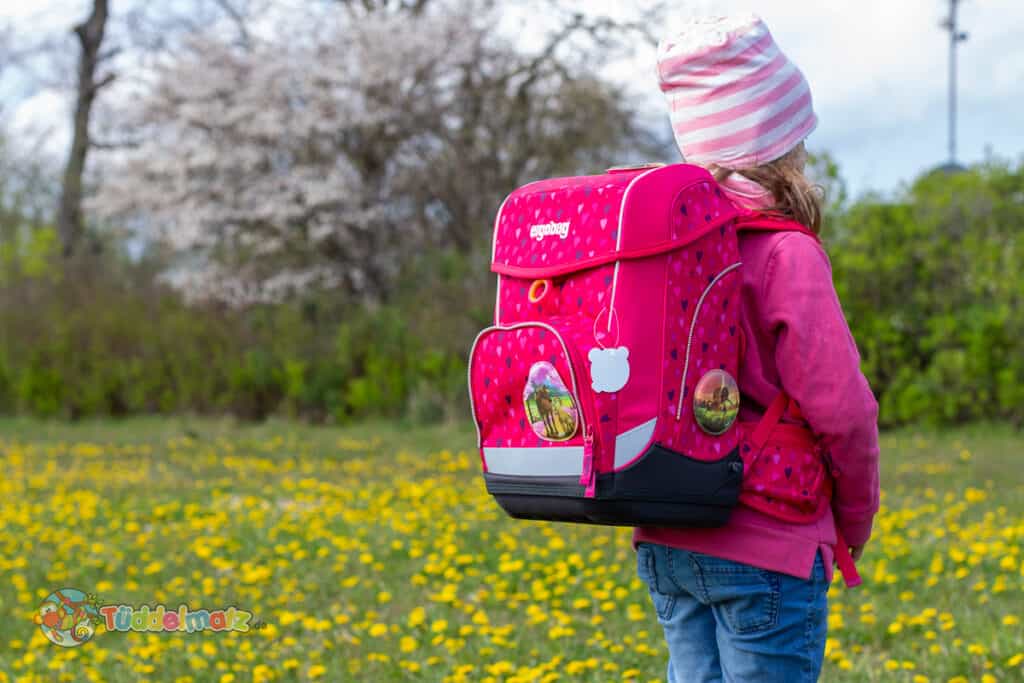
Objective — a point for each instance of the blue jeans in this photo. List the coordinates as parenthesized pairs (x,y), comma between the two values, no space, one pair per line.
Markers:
(731,622)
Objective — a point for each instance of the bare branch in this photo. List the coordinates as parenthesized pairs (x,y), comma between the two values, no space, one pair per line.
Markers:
(102,83)
(238,19)
(107,145)
(341,157)
(90,34)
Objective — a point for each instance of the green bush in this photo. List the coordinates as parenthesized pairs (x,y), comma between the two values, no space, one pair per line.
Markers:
(932,287)
(40,387)
(931,283)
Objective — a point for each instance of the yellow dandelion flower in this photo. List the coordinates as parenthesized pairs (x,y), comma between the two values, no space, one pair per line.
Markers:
(500,668)
(635,612)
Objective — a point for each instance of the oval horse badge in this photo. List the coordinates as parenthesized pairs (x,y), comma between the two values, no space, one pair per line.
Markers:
(716,402)
(550,406)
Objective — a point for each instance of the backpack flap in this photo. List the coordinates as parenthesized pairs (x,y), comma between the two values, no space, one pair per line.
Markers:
(555,227)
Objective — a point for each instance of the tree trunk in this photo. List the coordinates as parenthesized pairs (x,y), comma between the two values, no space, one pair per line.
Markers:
(69,213)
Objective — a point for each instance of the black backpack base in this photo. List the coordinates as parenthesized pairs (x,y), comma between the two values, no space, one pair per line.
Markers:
(662,488)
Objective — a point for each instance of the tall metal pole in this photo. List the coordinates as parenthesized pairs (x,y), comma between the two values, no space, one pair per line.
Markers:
(955,37)
(952,80)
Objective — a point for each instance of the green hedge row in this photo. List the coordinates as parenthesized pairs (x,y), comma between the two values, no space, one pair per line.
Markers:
(105,338)
(933,287)
(931,283)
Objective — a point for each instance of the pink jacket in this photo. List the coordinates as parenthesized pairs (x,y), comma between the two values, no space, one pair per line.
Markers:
(797,339)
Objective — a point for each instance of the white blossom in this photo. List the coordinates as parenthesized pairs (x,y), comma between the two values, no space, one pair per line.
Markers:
(259,155)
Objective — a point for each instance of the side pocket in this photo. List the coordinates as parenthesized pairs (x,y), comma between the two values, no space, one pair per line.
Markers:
(643,563)
(787,478)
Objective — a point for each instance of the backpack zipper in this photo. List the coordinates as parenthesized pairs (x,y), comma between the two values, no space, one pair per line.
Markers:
(588,474)
(693,326)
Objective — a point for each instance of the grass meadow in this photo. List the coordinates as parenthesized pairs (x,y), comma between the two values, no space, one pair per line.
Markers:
(374,554)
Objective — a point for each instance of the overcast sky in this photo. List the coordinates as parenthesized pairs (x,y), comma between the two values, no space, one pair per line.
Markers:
(878,71)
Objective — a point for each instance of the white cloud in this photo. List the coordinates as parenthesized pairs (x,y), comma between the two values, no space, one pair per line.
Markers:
(878,71)
(877,68)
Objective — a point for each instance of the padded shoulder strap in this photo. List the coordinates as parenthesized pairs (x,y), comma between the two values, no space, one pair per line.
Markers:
(765,222)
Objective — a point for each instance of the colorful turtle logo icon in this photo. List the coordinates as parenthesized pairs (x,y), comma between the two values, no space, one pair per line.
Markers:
(68,617)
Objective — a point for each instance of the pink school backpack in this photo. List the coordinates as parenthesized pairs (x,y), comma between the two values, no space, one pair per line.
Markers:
(605,391)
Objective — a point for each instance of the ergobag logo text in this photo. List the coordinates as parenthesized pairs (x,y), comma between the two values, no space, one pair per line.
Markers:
(542,230)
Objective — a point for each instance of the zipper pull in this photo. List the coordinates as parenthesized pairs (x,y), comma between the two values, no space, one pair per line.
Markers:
(588,477)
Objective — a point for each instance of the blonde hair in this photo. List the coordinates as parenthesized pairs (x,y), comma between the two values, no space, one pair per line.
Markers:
(796,197)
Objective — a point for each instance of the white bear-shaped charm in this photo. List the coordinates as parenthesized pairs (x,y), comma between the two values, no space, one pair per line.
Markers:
(609,368)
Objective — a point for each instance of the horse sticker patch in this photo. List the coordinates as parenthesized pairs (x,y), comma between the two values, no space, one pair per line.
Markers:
(716,402)
(550,406)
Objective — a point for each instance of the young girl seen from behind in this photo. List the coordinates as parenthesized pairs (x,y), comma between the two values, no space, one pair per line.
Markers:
(747,601)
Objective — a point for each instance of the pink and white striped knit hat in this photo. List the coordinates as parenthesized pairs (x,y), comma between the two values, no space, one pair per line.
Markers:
(736,101)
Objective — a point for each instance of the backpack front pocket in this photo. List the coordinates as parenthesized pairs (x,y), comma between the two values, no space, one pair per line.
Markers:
(547,438)
(532,402)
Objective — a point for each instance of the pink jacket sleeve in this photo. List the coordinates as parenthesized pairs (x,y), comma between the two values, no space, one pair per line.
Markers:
(819,368)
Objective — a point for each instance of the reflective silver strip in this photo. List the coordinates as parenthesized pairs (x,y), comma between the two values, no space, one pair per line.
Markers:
(630,443)
(564,460)
(497,302)
(622,206)
(618,240)
(535,462)
(497,222)
(693,326)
